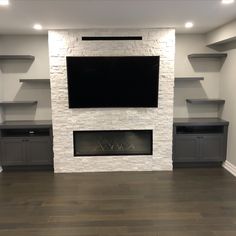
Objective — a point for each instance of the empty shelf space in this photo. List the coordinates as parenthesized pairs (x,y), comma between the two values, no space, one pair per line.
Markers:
(204,129)
(188,79)
(34,80)
(9,103)
(205,101)
(17,57)
(25,132)
(208,55)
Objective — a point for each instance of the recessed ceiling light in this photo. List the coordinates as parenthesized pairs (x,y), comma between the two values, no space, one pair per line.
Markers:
(188,25)
(38,27)
(227,1)
(4,2)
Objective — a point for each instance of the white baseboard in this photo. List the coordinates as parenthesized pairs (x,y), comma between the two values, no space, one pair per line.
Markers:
(230,167)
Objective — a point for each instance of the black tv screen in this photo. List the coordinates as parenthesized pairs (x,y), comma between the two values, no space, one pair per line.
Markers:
(113,81)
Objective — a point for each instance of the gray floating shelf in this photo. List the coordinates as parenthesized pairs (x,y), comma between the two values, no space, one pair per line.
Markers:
(8,103)
(206,101)
(17,57)
(208,55)
(34,80)
(222,42)
(14,124)
(199,121)
(188,79)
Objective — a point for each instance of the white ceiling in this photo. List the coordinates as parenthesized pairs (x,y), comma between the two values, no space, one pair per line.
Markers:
(20,16)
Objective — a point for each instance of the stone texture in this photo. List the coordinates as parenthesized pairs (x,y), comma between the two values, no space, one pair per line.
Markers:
(156,42)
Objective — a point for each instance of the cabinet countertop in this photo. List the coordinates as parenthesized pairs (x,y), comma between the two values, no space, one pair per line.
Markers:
(200,121)
(26,124)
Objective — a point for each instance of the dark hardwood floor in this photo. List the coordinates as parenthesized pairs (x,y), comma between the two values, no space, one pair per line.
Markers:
(186,202)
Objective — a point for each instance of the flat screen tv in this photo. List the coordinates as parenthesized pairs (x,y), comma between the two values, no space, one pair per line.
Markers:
(105,82)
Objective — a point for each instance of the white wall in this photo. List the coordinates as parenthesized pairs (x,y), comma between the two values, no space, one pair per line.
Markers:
(227,90)
(224,40)
(155,42)
(13,71)
(209,69)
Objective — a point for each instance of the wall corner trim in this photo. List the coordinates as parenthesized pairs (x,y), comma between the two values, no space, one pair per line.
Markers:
(230,167)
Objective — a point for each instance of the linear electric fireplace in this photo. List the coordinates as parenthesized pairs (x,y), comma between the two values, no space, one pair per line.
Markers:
(113,143)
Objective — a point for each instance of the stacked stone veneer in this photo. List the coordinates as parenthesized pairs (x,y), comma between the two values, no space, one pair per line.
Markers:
(156,42)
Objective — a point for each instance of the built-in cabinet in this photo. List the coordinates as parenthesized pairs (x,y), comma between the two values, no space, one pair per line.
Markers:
(199,140)
(25,143)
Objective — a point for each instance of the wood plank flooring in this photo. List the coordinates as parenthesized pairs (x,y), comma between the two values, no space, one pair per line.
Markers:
(186,202)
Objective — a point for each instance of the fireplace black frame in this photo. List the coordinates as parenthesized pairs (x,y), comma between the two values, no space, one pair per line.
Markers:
(107,155)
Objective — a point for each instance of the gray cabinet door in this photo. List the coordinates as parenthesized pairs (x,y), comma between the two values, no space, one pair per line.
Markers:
(186,148)
(212,148)
(39,151)
(12,152)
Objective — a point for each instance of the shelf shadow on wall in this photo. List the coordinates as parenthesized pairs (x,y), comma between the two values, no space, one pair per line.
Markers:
(207,64)
(194,89)
(15,66)
(20,112)
(39,92)
(205,110)
(188,90)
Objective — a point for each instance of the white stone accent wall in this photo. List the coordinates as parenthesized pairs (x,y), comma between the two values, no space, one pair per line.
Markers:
(156,42)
